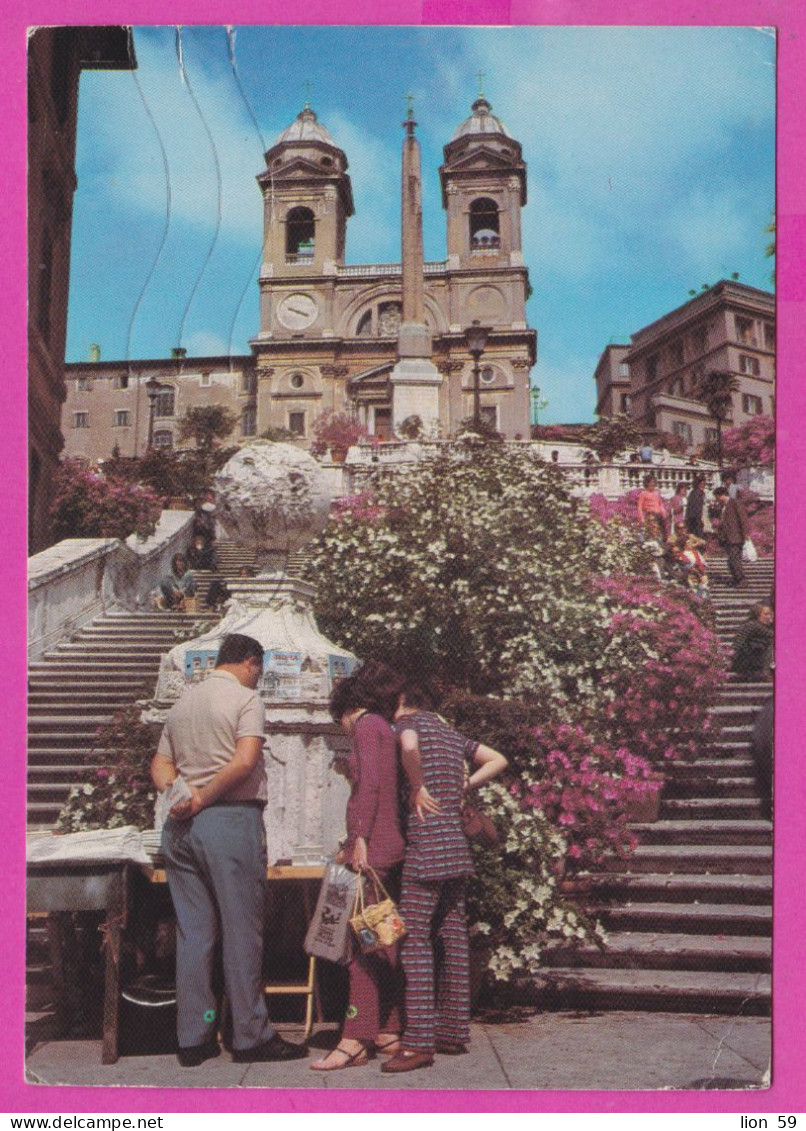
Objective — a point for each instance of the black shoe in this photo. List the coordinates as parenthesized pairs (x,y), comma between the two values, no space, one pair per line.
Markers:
(275,1049)
(194,1055)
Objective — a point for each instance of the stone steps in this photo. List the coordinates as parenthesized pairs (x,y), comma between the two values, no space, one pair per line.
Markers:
(699,808)
(702,788)
(689,913)
(668,951)
(82,683)
(710,832)
(734,992)
(695,918)
(44,774)
(692,887)
(754,859)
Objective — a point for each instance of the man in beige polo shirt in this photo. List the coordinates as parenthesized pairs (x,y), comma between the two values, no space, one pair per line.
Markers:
(215,855)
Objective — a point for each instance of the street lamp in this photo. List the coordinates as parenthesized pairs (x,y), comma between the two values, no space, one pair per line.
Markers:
(535,397)
(152,388)
(476,337)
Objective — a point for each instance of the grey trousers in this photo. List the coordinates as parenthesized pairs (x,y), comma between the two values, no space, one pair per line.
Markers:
(216,869)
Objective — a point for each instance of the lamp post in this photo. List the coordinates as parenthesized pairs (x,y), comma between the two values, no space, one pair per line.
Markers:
(152,388)
(476,337)
(535,398)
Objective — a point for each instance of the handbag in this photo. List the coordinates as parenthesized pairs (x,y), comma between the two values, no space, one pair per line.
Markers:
(478,827)
(377,924)
(328,935)
(749,551)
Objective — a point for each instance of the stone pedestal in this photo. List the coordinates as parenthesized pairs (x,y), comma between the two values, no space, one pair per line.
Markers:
(415,383)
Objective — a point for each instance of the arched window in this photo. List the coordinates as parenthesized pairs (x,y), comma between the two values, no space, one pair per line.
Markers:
(300,228)
(484,224)
(364,327)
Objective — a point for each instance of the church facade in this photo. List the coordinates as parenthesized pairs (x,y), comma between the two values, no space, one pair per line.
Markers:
(330,333)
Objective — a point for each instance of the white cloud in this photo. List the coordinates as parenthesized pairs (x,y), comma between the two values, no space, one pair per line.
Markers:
(212,149)
(202,343)
(708,229)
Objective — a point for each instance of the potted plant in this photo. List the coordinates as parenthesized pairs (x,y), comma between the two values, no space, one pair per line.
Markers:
(411,428)
(336,432)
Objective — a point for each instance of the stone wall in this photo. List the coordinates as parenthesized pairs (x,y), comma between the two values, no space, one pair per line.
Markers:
(73,582)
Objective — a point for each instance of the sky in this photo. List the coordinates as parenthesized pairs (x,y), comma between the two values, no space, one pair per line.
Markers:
(650,160)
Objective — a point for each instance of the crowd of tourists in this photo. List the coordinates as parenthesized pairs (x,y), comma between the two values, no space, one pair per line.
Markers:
(407,1001)
(677,530)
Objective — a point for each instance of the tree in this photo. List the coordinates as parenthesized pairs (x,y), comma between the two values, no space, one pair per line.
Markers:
(715,390)
(752,444)
(87,504)
(769,250)
(205,424)
(612,435)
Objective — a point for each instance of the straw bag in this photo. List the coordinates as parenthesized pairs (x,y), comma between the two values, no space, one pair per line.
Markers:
(377,924)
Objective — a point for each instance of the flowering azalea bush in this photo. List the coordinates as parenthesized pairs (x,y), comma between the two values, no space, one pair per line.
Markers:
(623,510)
(557,648)
(87,504)
(585,787)
(119,790)
(752,444)
(662,669)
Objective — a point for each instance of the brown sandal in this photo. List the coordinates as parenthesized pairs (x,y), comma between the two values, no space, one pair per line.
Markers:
(388,1048)
(351,1060)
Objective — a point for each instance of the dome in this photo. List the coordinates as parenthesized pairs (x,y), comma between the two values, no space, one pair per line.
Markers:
(305,127)
(481,121)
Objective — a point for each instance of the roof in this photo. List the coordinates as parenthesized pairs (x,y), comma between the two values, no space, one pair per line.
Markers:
(481,121)
(305,127)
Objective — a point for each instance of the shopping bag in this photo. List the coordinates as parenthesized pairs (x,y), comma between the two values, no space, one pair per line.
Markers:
(376,924)
(328,935)
(749,551)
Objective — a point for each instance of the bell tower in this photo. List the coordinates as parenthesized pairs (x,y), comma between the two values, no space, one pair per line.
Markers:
(307,200)
(483,181)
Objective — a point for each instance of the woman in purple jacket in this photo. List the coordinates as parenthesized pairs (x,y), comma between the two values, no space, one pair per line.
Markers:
(374,837)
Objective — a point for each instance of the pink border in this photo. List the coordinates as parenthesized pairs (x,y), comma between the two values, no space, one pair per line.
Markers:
(787,1092)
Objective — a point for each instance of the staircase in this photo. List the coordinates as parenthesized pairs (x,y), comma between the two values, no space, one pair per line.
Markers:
(689,914)
(81,684)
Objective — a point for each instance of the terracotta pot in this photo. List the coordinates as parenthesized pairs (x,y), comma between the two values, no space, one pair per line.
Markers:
(576,885)
(338,455)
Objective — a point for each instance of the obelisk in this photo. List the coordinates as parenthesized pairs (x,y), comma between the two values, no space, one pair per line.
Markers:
(415,379)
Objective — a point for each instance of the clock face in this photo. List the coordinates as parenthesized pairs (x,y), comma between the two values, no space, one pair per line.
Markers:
(297,311)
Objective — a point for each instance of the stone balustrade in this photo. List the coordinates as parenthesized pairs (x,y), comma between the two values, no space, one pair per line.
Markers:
(73,582)
(586,477)
(348,270)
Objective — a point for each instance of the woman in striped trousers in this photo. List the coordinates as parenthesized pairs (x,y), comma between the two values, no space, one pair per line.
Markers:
(437,866)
